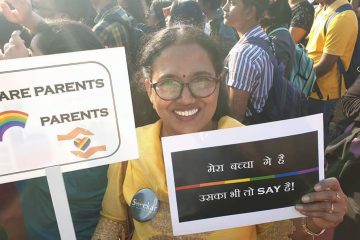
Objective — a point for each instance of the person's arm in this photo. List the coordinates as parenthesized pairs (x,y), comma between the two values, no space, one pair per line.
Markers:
(238,100)
(325,64)
(340,33)
(297,33)
(241,78)
(21,14)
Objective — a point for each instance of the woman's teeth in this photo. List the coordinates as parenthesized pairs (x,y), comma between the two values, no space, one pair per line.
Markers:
(187,113)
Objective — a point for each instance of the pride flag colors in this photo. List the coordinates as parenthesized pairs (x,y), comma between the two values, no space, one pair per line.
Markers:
(12,118)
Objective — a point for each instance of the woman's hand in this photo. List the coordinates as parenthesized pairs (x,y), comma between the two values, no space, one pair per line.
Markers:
(325,207)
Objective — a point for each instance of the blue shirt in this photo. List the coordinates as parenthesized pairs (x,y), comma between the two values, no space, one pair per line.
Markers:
(250,69)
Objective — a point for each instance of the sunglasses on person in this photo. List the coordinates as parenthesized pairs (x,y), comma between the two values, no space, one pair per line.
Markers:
(170,89)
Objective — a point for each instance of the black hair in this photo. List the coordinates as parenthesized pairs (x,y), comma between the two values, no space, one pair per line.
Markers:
(63,36)
(214,4)
(177,35)
(277,14)
(186,12)
(260,5)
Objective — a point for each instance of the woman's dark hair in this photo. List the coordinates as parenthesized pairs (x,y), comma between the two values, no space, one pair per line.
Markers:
(179,35)
(260,5)
(277,14)
(64,36)
(186,12)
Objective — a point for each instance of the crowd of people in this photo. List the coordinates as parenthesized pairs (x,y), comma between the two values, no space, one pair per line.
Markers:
(193,66)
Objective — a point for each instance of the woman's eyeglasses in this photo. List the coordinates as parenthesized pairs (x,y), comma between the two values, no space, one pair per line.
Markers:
(170,89)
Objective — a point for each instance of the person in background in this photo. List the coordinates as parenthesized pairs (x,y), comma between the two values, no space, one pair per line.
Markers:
(250,71)
(155,16)
(343,154)
(111,32)
(276,22)
(302,18)
(85,188)
(326,49)
(215,26)
(186,12)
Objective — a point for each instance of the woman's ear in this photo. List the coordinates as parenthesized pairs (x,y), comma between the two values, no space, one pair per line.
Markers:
(148,89)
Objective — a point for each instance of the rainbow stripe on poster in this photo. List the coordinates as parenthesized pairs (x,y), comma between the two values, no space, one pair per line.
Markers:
(243,180)
(9,119)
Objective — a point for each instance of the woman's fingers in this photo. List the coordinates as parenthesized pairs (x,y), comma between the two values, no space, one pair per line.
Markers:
(326,206)
(328,184)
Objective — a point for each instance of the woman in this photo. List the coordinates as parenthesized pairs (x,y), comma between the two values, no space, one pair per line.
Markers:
(276,23)
(301,20)
(155,16)
(85,188)
(181,70)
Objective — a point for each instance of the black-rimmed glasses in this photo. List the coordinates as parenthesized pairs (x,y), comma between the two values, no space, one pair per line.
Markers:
(170,89)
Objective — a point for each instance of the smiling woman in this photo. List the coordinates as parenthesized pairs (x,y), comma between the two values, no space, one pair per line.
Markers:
(180,68)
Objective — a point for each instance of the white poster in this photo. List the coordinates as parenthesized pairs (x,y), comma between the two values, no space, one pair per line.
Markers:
(71,110)
(242,176)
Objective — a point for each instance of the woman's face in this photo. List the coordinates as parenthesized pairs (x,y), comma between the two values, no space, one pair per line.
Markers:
(186,114)
(236,14)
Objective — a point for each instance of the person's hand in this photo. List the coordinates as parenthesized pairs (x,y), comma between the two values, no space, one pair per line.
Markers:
(325,207)
(15,48)
(21,14)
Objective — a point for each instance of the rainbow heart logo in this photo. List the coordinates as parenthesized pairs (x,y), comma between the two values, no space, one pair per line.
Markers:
(82,143)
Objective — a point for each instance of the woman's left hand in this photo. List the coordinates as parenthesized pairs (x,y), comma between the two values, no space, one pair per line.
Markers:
(326,206)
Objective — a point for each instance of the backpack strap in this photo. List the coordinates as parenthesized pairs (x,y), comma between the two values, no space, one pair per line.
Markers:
(339,10)
(266,46)
(339,63)
(278,30)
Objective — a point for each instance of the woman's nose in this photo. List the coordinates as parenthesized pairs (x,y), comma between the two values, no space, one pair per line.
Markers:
(186,96)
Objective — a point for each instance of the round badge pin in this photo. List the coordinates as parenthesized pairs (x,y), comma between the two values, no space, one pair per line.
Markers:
(144,205)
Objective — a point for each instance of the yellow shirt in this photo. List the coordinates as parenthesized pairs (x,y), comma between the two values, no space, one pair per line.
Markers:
(339,41)
(148,172)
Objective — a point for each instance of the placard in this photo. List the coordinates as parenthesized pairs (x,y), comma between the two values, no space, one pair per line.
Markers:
(71,110)
(242,176)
